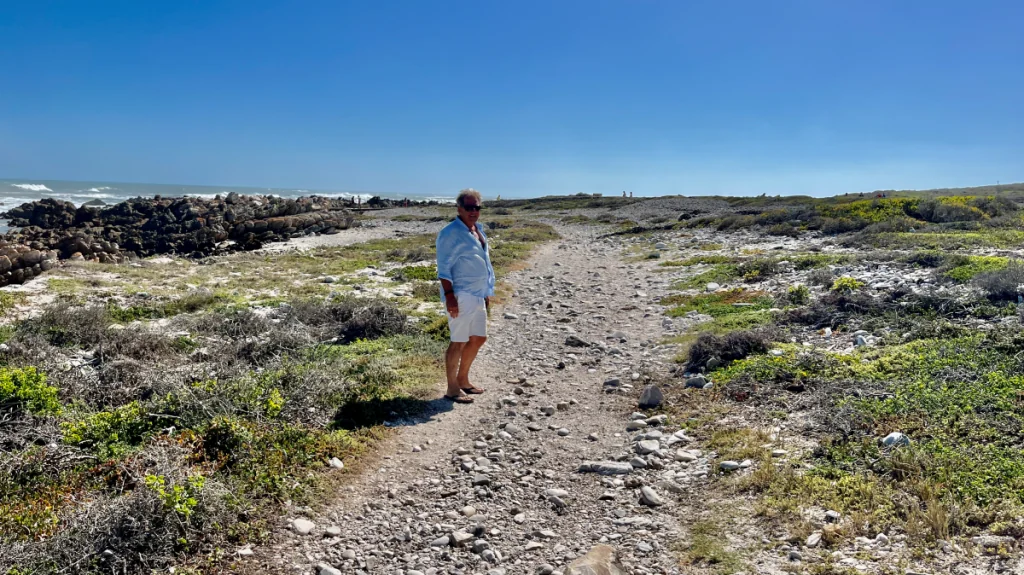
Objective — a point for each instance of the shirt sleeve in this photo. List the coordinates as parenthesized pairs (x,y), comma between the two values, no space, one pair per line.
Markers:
(444,256)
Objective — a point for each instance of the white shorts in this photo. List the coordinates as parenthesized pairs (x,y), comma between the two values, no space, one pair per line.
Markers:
(472,318)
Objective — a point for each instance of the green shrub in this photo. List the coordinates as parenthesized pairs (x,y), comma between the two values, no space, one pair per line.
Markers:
(798,295)
(27,387)
(180,498)
(111,433)
(847,284)
(1004,284)
(970,266)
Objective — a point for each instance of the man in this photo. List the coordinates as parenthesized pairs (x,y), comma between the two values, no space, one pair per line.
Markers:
(467,284)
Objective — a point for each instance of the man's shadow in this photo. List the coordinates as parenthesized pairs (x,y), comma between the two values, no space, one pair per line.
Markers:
(395,412)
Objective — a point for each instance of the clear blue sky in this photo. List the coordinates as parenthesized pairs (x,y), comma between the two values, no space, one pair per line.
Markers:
(516,97)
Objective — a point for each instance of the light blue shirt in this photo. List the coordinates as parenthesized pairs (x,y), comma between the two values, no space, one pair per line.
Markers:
(463,261)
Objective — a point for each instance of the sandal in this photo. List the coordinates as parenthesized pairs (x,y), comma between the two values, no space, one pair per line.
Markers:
(459,398)
(473,390)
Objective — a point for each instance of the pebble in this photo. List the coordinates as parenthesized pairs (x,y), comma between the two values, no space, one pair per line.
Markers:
(468,511)
(337,463)
(650,497)
(303,526)
(896,439)
(563,432)
(729,465)
(333,531)
(325,569)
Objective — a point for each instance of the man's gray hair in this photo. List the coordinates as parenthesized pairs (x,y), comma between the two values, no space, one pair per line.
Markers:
(469,193)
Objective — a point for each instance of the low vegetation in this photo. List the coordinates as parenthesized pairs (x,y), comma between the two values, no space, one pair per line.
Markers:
(144,429)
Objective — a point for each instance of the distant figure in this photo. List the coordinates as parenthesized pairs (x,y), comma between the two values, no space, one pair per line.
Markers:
(623,193)
(631,194)
(467,284)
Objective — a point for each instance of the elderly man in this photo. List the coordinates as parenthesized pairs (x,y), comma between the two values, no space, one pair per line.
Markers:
(467,284)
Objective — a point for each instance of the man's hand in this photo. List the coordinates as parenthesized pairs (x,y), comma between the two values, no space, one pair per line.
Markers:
(452,304)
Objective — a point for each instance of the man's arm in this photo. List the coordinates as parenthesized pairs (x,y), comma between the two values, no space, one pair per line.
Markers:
(450,302)
(444,273)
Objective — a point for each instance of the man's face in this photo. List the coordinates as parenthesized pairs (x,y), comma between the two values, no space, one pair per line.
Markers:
(469,210)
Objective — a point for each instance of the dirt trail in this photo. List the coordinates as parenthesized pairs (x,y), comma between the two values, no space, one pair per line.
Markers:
(467,489)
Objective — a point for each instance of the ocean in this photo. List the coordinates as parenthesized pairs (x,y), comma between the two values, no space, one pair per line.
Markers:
(14,192)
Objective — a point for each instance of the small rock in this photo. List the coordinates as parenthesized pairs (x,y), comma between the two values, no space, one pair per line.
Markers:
(460,538)
(712,286)
(650,497)
(647,446)
(813,540)
(651,398)
(336,463)
(729,465)
(333,531)
(600,560)
(795,555)
(636,424)
(832,516)
(696,382)
(563,432)
(303,526)
(607,468)
(441,541)
(325,569)
(468,511)
(511,316)
(533,546)
(896,439)
(350,554)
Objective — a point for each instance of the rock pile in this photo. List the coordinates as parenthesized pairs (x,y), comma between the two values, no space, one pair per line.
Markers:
(20,263)
(189,226)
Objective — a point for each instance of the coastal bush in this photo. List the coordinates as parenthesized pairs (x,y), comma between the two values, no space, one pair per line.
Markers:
(756,269)
(732,346)
(785,229)
(965,268)
(821,277)
(847,284)
(27,389)
(1006,284)
(798,295)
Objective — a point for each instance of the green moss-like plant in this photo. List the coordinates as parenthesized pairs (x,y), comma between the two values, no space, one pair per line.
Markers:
(27,387)
(847,284)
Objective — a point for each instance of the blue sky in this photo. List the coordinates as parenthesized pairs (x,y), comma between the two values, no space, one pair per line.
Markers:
(516,98)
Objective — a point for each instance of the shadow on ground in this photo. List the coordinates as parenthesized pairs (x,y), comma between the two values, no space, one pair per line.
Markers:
(396,412)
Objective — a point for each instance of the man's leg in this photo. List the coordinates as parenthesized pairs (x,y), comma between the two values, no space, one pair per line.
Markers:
(452,358)
(468,355)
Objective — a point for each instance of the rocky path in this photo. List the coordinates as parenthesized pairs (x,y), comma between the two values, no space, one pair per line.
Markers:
(549,463)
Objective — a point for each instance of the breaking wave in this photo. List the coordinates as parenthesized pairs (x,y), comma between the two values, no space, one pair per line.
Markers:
(32,187)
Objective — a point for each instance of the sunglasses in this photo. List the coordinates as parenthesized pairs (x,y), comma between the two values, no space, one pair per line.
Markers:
(472,208)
